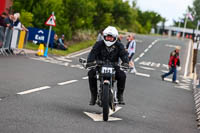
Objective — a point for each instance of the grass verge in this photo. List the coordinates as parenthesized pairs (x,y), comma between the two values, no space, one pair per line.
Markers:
(72,48)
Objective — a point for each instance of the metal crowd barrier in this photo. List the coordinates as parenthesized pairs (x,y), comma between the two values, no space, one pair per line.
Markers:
(12,40)
(196,87)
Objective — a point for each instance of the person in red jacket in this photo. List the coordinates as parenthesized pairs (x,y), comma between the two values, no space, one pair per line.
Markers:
(174,61)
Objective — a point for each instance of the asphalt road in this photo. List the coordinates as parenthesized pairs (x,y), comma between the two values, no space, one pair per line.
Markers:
(50,95)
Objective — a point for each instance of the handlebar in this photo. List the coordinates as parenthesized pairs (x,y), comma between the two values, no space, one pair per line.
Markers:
(91,65)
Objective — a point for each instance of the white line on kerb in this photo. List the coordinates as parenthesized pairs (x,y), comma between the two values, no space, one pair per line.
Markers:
(67,82)
(187,61)
(34,90)
(142,74)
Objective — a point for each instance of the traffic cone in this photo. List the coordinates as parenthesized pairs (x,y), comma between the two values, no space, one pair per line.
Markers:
(40,50)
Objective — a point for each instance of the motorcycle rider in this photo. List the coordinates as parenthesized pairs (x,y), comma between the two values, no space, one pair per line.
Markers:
(108,49)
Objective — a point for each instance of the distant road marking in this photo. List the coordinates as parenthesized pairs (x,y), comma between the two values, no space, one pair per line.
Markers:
(84,52)
(147,68)
(164,71)
(67,82)
(150,46)
(142,54)
(63,59)
(146,50)
(0,99)
(170,80)
(85,77)
(34,90)
(136,59)
(142,74)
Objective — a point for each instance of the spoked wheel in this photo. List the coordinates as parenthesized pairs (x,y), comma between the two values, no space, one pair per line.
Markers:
(105,102)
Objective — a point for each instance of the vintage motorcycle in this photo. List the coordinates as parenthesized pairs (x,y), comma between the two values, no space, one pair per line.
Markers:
(106,93)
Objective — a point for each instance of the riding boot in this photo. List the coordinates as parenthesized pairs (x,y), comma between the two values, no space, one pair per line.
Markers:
(120,96)
(93,99)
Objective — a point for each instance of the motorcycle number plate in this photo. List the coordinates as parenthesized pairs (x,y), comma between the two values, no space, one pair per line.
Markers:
(107,70)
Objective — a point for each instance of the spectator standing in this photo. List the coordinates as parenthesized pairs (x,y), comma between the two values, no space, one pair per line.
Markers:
(17,24)
(100,35)
(9,21)
(61,44)
(131,48)
(174,61)
(2,19)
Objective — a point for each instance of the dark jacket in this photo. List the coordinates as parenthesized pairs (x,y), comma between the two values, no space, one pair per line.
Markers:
(101,52)
(2,22)
(174,59)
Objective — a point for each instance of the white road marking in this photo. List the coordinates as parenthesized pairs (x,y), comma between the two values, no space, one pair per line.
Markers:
(75,55)
(142,74)
(170,80)
(183,87)
(67,82)
(85,77)
(63,59)
(34,90)
(142,54)
(99,117)
(145,63)
(77,66)
(147,68)
(164,71)
(0,99)
(187,60)
(146,50)
(171,45)
(150,46)
(136,59)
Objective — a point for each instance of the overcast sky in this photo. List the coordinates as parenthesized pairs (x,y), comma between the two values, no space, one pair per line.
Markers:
(169,9)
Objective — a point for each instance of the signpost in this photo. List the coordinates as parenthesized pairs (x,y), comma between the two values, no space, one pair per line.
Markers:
(50,22)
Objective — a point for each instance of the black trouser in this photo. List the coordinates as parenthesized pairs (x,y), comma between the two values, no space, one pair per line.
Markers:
(120,76)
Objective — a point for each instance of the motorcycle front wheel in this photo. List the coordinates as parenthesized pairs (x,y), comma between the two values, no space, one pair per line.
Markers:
(105,102)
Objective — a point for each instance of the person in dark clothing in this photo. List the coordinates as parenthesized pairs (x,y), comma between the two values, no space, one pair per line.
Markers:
(9,21)
(2,19)
(108,49)
(174,61)
(61,44)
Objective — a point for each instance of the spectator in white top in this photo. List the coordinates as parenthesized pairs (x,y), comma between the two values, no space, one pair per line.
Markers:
(17,24)
(131,48)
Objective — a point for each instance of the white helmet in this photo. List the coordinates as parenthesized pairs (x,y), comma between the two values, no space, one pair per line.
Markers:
(111,31)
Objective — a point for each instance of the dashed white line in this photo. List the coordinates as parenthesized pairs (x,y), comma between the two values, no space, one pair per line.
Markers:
(164,71)
(84,52)
(34,90)
(142,54)
(170,80)
(142,74)
(67,82)
(146,50)
(85,77)
(136,59)
(150,46)
(147,68)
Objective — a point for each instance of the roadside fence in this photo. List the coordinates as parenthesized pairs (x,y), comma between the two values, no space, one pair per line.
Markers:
(196,88)
(12,41)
